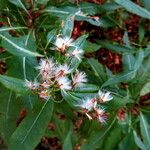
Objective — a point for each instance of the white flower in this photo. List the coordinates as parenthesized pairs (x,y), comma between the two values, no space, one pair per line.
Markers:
(44,94)
(76,53)
(63,43)
(79,78)
(31,85)
(62,70)
(64,83)
(88,103)
(102,116)
(46,67)
(104,96)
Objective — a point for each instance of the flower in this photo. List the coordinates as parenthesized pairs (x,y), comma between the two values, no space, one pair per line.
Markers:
(104,96)
(63,43)
(76,53)
(44,94)
(62,70)
(88,103)
(101,115)
(46,67)
(64,83)
(79,78)
(31,85)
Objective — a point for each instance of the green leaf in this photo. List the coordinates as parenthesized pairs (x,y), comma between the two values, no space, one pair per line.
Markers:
(139,59)
(146,89)
(89,88)
(138,141)
(122,77)
(32,128)
(80,42)
(91,47)
(141,31)
(146,4)
(68,26)
(10,107)
(98,69)
(70,99)
(113,138)
(145,130)
(19,3)
(67,142)
(127,142)
(13,84)
(17,46)
(115,47)
(11,28)
(133,8)
(42,1)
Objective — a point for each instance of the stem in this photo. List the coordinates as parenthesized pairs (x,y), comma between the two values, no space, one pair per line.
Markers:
(24,67)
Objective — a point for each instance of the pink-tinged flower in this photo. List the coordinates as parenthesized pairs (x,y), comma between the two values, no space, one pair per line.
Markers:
(45,85)
(63,43)
(101,115)
(79,78)
(46,67)
(31,85)
(45,94)
(64,83)
(62,70)
(88,104)
(76,54)
(104,96)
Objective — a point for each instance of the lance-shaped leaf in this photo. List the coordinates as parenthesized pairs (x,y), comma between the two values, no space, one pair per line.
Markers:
(32,128)
(67,142)
(68,26)
(133,8)
(98,69)
(138,141)
(122,77)
(115,47)
(145,130)
(17,46)
(13,84)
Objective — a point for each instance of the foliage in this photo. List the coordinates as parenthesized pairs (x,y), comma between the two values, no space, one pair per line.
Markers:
(55,85)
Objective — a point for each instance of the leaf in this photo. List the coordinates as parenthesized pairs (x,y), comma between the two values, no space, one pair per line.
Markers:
(68,26)
(89,88)
(98,69)
(13,84)
(42,1)
(115,47)
(145,90)
(146,4)
(139,59)
(32,128)
(138,141)
(122,77)
(80,41)
(11,28)
(114,134)
(16,46)
(133,8)
(19,4)
(91,47)
(9,109)
(70,99)
(67,142)
(51,36)
(127,142)
(145,130)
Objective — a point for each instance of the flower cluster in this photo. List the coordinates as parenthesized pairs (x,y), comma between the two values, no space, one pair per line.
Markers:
(55,76)
(92,106)
(62,45)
